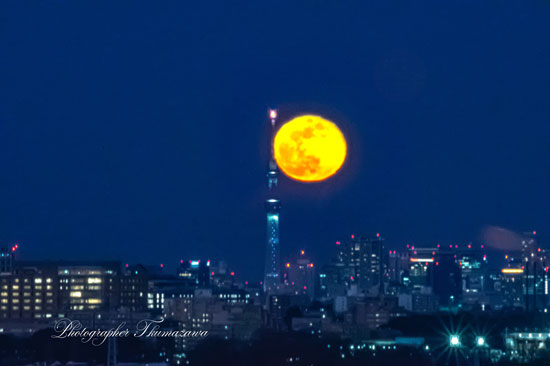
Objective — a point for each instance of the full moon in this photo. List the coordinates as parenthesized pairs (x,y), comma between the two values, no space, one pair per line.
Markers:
(309,148)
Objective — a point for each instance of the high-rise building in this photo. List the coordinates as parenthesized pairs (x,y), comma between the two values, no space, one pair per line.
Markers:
(363,256)
(134,287)
(196,272)
(41,290)
(299,276)
(272,277)
(421,261)
(360,263)
(29,292)
(475,275)
(535,262)
(447,279)
(89,286)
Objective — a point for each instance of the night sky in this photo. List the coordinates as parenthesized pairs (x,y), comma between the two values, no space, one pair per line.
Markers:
(138,130)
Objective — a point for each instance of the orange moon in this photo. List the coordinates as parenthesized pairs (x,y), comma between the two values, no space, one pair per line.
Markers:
(309,148)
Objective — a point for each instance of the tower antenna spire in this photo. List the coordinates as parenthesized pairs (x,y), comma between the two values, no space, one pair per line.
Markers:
(272,206)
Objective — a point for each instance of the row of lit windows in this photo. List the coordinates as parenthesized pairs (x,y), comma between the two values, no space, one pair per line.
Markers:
(16,301)
(37,280)
(82,287)
(25,308)
(27,287)
(25,294)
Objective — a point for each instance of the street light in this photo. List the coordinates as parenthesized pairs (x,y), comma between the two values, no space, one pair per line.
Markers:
(454,341)
(480,341)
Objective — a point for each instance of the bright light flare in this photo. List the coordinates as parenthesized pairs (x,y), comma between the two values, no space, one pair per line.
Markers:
(454,341)
(480,341)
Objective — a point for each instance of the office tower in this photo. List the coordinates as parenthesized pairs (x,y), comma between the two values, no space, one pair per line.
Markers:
(475,275)
(535,264)
(398,265)
(196,272)
(134,282)
(299,276)
(29,292)
(447,279)
(272,277)
(89,286)
(422,260)
(363,257)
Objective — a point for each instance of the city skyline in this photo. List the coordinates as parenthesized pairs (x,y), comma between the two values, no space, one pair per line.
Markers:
(365,296)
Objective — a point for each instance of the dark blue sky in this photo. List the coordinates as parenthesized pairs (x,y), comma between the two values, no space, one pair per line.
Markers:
(136,130)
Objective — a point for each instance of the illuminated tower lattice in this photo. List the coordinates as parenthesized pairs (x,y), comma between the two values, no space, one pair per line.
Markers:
(272,277)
